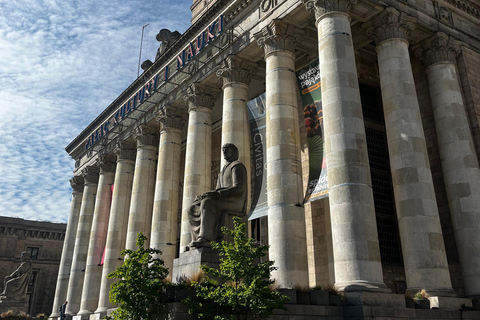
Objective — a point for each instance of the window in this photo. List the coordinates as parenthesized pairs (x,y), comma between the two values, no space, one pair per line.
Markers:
(33,252)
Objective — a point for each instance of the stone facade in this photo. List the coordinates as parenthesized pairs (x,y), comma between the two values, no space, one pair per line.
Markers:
(44,240)
(400,95)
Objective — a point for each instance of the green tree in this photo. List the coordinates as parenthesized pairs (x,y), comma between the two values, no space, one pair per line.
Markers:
(245,288)
(141,282)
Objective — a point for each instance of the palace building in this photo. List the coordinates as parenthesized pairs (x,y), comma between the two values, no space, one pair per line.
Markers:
(358,122)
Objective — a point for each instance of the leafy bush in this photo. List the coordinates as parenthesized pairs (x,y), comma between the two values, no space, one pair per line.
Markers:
(141,282)
(245,285)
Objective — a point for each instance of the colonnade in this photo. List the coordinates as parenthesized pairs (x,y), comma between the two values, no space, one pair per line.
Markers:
(146,174)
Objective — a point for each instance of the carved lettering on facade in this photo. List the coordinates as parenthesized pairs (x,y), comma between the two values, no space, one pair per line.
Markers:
(267,5)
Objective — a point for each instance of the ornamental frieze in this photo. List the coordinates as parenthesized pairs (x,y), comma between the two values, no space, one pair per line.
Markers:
(22,232)
(465,7)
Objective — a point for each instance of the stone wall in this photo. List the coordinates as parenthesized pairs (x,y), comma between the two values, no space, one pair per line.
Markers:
(16,236)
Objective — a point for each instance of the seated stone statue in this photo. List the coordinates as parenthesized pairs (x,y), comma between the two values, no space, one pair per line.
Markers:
(16,285)
(230,196)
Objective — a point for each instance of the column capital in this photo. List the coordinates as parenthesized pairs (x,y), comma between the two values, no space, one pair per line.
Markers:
(278,36)
(321,7)
(438,48)
(171,117)
(146,136)
(125,150)
(90,174)
(200,95)
(106,163)
(236,70)
(391,24)
(77,184)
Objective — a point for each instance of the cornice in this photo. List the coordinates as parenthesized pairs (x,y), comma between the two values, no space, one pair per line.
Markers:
(466,7)
(30,233)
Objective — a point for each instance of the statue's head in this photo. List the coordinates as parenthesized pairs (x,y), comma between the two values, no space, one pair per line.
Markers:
(25,256)
(230,152)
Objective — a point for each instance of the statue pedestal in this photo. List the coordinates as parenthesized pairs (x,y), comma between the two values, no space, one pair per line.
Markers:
(15,306)
(189,262)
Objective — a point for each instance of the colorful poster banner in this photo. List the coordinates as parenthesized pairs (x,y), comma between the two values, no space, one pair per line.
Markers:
(257,118)
(308,79)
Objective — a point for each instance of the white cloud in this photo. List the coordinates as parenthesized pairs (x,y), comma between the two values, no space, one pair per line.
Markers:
(62,63)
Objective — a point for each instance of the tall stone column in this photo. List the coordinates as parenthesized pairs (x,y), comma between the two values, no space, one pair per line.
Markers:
(166,200)
(459,161)
(198,155)
(68,245)
(141,206)
(286,215)
(93,270)
(77,272)
(236,74)
(356,249)
(418,220)
(117,224)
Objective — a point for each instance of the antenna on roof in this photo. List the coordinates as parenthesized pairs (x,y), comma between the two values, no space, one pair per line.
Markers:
(141,45)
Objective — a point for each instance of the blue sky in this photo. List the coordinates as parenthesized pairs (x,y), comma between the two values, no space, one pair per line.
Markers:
(61,64)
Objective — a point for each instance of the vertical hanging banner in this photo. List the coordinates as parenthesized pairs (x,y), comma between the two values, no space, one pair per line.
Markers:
(308,79)
(257,119)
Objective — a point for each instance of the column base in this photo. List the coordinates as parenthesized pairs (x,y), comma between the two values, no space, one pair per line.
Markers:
(365,298)
(67,317)
(102,310)
(98,316)
(432,291)
(85,314)
(362,286)
(110,311)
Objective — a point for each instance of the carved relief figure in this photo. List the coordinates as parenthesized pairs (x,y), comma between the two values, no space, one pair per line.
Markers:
(230,196)
(16,285)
